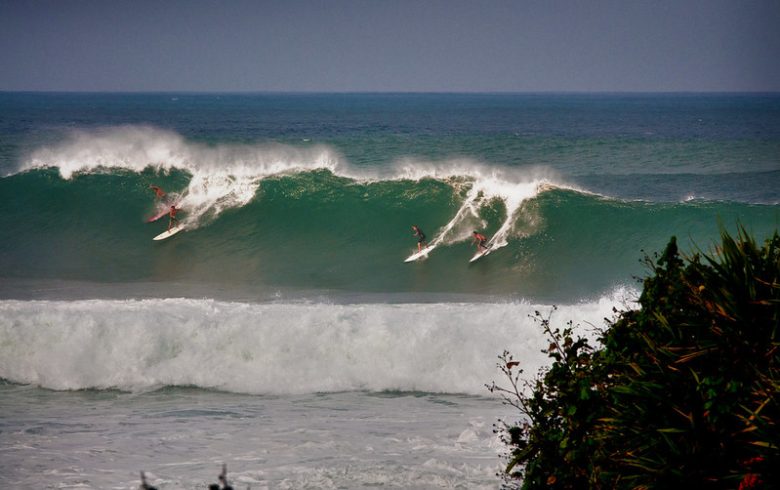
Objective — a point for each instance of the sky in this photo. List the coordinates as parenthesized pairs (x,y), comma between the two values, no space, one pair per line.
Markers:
(390,46)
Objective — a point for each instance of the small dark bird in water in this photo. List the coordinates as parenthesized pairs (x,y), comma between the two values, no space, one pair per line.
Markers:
(144,485)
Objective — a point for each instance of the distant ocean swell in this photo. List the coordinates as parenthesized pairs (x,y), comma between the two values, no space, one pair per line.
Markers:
(271,348)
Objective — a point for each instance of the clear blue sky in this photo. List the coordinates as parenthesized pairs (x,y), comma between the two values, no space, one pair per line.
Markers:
(371,45)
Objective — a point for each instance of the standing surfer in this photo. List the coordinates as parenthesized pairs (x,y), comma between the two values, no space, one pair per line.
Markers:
(172,216)
(420,237)
(480,240)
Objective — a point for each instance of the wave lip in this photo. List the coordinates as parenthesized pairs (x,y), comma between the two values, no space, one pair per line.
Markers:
(137,345)
(137,147)
(222,176)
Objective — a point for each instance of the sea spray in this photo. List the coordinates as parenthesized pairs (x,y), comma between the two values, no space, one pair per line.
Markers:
(222,176)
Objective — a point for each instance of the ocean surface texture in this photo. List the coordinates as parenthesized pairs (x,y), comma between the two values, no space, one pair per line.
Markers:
(281,332)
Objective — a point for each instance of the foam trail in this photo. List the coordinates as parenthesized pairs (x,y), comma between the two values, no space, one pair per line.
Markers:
(271,348)
(468,206)
(513,196)
(511,186)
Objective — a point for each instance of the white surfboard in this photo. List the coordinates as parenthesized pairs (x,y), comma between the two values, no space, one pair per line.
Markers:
(419,255)
(169,233)
(481,254)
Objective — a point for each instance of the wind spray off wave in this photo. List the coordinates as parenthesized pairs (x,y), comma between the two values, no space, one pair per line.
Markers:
(221,176)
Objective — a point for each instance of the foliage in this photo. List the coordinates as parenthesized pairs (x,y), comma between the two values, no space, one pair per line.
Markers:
(682,392)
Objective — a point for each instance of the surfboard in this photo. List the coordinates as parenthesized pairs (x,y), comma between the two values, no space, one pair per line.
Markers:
(169,233)
(481,254)
(419,255)
(163,208)
(162,212)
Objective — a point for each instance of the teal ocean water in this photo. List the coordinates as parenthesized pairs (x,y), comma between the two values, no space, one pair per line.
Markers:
(302,194)
(286,298)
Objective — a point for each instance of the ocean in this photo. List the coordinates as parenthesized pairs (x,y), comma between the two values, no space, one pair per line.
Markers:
(281,332)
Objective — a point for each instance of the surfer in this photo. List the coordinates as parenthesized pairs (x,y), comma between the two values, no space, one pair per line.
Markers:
(159,193)
(172,217)
(420,238)
(480,240)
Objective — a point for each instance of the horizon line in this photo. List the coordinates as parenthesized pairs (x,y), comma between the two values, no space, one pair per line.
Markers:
(398,92)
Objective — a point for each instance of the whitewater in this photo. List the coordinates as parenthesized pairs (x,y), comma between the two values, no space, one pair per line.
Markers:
(287,348)
(281,332)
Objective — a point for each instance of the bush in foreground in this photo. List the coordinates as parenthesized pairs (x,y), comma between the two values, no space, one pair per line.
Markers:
(680,393)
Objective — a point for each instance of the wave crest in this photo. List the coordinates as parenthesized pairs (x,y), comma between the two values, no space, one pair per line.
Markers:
(228,175)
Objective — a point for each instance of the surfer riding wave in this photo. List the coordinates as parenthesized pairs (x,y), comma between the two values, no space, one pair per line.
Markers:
(172,217)
(481,241)
(420,238)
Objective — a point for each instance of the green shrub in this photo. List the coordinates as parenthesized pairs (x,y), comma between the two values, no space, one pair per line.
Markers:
(680,393)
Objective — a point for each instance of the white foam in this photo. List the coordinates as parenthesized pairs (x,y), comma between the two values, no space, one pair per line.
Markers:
(223,176)
(229,175)
(512,186)
(182,438)
(271,348)
(136,148)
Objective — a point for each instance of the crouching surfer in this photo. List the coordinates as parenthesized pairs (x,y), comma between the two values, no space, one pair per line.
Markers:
(158,193)
(481,241)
